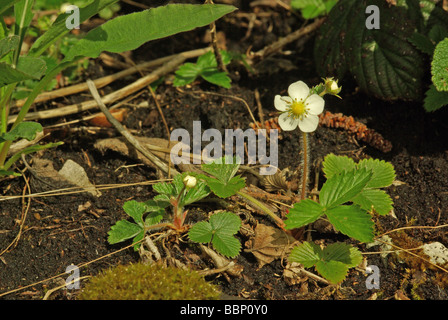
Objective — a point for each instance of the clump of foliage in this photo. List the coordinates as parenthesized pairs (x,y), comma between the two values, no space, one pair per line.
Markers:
(148,282)
(351,192)
(167,209)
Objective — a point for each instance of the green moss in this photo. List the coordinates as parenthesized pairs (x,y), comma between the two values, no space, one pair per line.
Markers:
(148,282)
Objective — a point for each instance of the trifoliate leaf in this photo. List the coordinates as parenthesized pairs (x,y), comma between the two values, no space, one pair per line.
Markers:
(220,231)
(439,66)
(123,230)
(333,165)
(332,262)
(352,221)
(303,213)
(343,187)
(383,173)
(208,60)
(171,190)
(374,200)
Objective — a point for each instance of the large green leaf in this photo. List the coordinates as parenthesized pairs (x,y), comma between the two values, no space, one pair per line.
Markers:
(343,187)
(382,61)
(58,29)
(130,31)
(352,221)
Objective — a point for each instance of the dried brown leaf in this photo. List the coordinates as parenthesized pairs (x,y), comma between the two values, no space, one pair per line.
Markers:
(268,244)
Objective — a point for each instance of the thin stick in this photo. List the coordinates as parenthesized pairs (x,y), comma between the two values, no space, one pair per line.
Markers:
(161,165)
(260,107)
(276,46)
(221,66)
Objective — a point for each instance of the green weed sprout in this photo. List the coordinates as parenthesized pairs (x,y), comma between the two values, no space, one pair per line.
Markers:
(139,27)
(205,67)
(148,282)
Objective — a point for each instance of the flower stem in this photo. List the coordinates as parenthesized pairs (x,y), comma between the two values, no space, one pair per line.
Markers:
(305,164)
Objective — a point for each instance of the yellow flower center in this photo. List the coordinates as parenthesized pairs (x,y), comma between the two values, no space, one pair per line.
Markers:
(298,108)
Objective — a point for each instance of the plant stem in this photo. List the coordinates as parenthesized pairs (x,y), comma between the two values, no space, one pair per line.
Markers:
(305,164)
(261,206)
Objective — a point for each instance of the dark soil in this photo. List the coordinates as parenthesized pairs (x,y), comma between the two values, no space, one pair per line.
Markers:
(58,232)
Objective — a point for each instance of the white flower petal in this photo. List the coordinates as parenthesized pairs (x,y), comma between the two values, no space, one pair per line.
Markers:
(315,104)
(308,124)
(287,123)
(298,90)
(280,103)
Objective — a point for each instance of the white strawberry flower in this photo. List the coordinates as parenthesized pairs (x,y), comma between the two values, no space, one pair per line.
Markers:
(300,108)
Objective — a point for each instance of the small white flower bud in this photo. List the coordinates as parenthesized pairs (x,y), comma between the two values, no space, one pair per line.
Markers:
(189,182)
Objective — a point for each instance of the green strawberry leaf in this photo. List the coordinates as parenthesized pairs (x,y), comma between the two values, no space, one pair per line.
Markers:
(343,187)
(220,232)
(303,213)
(123,230)
(352,221)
